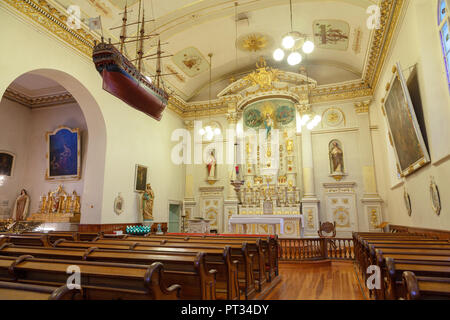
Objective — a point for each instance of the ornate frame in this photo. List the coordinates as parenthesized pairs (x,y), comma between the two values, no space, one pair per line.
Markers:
(397,75)
(13,160)
(135,177)
(435,197)
(76,176)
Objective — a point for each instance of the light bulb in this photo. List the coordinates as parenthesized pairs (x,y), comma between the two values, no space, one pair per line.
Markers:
(305,119)
(310,125)
(209,135)
(278,54)
(317,119)
(308,47)
(201,131)
(288,42)
(208,129)
(294,58)
(217,131)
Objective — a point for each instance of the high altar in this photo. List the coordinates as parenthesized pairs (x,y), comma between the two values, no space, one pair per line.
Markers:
(277,174)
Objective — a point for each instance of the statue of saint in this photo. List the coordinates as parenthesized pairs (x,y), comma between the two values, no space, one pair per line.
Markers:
(20,210)
(211,165)
(337,158)
(147,203)
(268,124)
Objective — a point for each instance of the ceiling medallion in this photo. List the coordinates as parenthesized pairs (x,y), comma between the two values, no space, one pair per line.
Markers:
(253,42)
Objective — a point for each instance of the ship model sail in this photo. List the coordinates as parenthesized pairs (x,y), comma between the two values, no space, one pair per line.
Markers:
(123,79)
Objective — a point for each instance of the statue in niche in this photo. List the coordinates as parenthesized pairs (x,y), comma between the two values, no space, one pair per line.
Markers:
(20,210)
(211,165)
(268,124)
(147,203)
(336,157)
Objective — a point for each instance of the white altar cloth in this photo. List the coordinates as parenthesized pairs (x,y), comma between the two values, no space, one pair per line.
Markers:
(262,219)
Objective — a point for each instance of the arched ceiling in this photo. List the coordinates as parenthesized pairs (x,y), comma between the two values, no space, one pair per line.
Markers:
(195,28)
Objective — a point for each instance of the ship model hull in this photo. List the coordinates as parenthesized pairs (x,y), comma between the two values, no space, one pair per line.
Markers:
(124,81)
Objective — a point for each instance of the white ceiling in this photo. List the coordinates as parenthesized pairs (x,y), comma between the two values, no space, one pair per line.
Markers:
(209,26)
(33,86)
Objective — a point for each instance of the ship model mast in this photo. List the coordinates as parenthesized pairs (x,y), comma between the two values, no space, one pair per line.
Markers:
(123,77)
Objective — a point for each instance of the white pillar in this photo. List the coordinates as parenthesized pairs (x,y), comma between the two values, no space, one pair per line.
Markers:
(371,200)
(189,202)
(310,203)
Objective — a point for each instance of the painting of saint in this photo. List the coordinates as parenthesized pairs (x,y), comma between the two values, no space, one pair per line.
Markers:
(141,178)
(6,164)
(404,130)
(63,154)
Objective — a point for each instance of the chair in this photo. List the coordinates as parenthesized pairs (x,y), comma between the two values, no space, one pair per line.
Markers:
(328,227)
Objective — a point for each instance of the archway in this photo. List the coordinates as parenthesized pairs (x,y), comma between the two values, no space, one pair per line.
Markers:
(93,164)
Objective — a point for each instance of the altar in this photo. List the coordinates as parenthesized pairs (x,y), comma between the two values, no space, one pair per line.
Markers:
(285,226)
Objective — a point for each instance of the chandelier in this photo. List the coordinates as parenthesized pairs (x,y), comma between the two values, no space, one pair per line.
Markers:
(292,42)
(210,130)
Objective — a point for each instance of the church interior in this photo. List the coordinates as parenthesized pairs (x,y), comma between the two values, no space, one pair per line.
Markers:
(225,150)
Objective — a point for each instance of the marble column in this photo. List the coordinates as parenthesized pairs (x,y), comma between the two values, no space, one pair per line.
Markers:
(372,203)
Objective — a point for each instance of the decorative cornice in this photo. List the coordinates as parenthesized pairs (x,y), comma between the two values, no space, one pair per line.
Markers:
(42,101)
(362,107)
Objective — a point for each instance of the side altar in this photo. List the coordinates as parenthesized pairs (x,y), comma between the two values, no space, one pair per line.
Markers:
(58,206)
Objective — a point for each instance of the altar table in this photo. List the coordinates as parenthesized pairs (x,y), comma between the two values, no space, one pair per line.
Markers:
(289,223)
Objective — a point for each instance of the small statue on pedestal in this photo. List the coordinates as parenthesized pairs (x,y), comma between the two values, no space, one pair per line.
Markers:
(20,210)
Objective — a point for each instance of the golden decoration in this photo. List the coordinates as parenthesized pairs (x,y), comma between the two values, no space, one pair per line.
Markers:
(263,76)
(254,42)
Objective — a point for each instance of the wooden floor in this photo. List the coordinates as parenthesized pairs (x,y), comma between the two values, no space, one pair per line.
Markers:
(319,281)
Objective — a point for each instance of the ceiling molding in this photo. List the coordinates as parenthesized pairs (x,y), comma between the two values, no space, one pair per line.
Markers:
(38,102)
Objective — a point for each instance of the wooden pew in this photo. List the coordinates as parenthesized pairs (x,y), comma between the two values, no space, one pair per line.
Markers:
(418,288)
(22,291)
(393,271)
(187,270)
(269,243)
(99,281)
(254,246)
(31,240)
(238,252)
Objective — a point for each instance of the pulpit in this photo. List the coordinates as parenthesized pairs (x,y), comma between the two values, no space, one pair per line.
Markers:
(198,226)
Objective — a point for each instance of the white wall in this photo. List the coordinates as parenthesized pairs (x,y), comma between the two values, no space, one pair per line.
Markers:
(23,132)
(120,136)
(14,133)
(417,41)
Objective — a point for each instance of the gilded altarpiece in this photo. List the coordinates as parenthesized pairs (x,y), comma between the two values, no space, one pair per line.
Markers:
(340,206)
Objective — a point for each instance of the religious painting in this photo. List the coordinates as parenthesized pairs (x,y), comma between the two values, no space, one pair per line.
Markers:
(140,178)
(191,62)
(63,154)
(331,34)
(404,132)
(269,114)
(6,163)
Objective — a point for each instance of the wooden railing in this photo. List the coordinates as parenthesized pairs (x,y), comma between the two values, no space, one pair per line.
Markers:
(309,249)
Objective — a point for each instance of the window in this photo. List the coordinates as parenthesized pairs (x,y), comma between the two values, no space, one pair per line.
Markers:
(444,32)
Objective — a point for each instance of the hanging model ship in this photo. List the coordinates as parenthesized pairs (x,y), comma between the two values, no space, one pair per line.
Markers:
(123,79)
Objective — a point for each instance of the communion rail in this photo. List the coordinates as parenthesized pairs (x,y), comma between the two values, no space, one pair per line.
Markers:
(292,249)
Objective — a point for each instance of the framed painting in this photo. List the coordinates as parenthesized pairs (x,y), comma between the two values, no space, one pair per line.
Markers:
(404,132)
(6,163)
(140,180)
(63,154)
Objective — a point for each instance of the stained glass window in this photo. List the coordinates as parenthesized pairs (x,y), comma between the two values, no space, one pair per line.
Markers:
(444,30)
